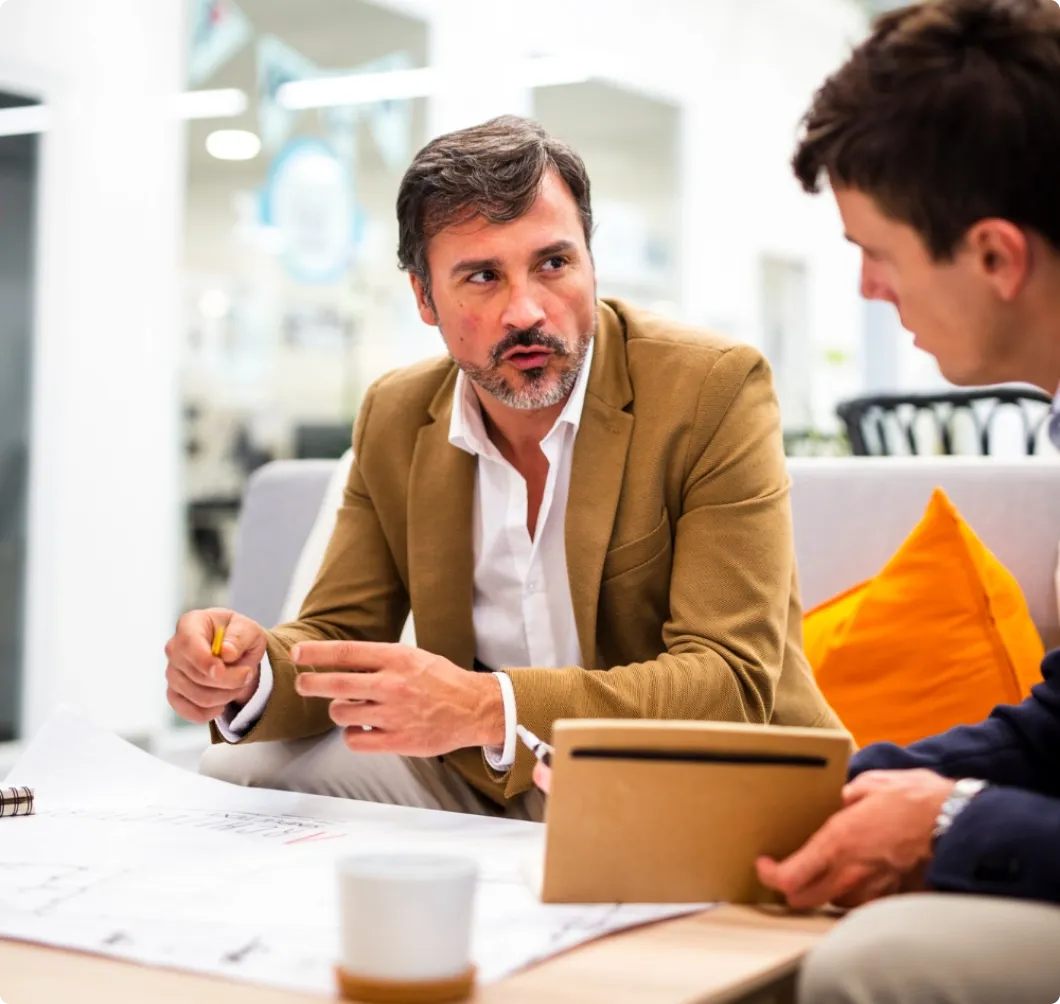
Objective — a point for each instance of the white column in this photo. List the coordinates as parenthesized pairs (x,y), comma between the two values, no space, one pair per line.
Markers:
(717,245)
(473,43)
(105,449)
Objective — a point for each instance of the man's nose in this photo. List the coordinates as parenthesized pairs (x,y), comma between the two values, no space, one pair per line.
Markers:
(871,287)
(523,310)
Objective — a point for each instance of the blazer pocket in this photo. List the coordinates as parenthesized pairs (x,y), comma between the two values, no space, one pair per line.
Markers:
(626,557)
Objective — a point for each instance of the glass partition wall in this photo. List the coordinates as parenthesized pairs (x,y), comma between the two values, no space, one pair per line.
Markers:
(18,182)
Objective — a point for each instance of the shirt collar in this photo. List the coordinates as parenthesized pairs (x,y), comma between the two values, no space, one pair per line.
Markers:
(467,431)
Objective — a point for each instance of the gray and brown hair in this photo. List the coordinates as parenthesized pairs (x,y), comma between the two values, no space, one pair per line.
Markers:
(493,170)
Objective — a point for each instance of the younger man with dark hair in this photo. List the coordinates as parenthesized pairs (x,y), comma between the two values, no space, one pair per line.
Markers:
(940,138)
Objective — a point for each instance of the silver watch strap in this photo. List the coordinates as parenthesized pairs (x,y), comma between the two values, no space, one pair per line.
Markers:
(963,792)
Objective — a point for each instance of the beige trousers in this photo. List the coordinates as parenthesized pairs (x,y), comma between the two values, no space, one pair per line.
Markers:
(938,949)
(324,765)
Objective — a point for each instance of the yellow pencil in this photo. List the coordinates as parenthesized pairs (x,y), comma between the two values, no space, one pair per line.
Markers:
(218,639)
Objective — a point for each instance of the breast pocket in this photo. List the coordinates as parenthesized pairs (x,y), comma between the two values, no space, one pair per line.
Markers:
(635,598)
(640,552)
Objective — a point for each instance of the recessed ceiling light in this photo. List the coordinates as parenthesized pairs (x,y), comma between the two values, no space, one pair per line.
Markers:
(233,144)
(226,102)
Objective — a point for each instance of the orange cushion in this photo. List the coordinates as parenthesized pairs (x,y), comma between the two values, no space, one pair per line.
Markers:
(937,639)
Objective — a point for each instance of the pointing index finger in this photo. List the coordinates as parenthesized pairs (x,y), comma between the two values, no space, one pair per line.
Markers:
(362,655)
(806,866)
(339,686)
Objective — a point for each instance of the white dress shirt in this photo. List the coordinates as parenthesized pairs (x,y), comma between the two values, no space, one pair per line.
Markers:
(522,610)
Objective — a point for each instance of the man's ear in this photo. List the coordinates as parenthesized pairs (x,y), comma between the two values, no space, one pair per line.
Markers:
(423,301)
(1003,254)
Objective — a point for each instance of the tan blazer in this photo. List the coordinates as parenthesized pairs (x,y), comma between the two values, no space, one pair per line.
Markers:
(679,545)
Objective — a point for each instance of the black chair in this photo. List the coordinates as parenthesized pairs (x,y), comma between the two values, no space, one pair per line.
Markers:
(322,440)
(208,519)
(882,425)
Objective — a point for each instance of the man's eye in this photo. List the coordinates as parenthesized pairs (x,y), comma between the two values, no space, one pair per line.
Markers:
(554,264)
(483,277)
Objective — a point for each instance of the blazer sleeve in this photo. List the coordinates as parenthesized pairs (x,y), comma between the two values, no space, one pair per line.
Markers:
(358,594)
(730,586)
(1004,843)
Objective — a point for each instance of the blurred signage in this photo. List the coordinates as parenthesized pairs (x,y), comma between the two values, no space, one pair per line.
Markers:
(219,29)
(308,200)
(278,64)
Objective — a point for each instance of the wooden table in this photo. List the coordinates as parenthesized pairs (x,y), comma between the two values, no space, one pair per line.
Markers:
(716,957)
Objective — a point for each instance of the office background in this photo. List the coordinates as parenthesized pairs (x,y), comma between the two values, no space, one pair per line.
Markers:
(197,262)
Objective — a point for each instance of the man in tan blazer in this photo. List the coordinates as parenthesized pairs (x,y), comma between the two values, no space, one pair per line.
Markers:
(589,501)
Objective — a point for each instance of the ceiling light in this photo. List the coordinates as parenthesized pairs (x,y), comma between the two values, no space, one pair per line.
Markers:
(357,89)
(233,144)
(219,104)
(24,121)
(367,88)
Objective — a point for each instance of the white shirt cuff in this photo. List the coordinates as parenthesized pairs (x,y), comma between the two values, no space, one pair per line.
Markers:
(501,758)
(235,727)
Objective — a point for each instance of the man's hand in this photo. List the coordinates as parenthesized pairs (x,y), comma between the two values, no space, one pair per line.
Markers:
(543,777)
(417,703)
(878,844)
(201,684)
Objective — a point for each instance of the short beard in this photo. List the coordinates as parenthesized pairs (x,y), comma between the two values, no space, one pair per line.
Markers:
(537,390)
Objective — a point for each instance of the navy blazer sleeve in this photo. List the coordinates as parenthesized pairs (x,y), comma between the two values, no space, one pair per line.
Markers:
(1007,842)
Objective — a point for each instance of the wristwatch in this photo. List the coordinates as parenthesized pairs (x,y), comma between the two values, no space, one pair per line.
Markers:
(963,792)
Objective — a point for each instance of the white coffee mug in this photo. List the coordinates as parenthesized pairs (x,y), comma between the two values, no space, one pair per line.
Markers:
(406,917)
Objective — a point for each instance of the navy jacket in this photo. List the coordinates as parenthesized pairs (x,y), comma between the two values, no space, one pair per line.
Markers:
(1007,841)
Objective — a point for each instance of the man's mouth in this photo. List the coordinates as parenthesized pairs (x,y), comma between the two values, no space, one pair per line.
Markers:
(528,358)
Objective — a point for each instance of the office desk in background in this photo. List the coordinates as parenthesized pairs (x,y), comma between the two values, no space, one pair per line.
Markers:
(717,957)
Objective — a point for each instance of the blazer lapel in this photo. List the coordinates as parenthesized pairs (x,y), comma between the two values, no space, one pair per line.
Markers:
(441,562)
(597,472)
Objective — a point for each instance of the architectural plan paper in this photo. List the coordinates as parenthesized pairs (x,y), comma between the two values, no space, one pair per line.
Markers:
(131,857)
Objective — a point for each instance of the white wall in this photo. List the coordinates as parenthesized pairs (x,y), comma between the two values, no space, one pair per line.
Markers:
(742,200)
(104,519)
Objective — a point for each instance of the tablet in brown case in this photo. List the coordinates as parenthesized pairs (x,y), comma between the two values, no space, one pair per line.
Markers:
(677,812)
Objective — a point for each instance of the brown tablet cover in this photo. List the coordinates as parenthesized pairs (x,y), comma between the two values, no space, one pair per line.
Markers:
(677,812)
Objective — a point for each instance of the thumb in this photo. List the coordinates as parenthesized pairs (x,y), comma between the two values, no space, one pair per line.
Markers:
(244,641)
(767,870)
(862,786)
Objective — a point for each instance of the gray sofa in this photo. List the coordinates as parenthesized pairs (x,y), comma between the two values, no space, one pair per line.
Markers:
(850,516)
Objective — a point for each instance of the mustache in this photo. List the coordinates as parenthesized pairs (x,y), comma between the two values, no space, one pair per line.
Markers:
(527,338)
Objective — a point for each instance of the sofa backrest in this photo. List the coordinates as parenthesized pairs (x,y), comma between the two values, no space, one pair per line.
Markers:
(280,506)
(850,516)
